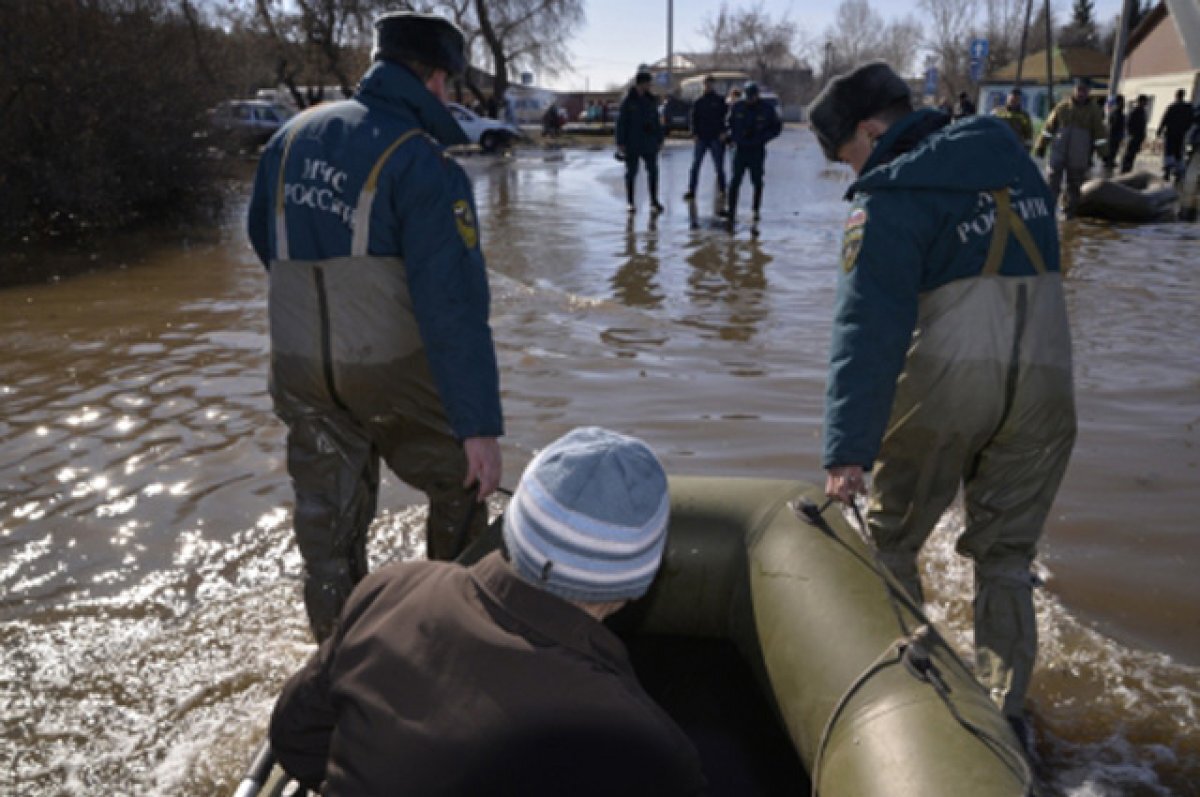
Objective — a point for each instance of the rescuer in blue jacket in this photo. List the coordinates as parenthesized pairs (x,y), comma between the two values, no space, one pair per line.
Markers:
(640,136)
(378,303)
(708,129)
(950,362)
(752,123)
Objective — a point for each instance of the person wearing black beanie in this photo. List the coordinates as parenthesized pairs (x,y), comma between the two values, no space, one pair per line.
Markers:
(950,365)
(369,235)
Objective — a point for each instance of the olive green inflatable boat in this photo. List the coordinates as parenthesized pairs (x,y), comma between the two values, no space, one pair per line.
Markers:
(857,695)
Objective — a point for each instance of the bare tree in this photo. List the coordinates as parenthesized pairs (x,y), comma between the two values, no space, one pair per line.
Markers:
(860,34)
(753,37)
(511,36)
(856,35)
(316,41)
(901,41)
(1037,28)
(950,24)
(1002,28)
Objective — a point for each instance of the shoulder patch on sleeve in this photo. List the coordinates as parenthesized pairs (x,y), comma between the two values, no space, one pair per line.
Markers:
(852,236)
(464,219)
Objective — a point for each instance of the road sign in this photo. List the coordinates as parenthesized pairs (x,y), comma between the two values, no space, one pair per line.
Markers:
(931,81)
(979,54)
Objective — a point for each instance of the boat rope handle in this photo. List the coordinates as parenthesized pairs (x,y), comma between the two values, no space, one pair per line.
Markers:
(812,514)
(890,655)
(910,649)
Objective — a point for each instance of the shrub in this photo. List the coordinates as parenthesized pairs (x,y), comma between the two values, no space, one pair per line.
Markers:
(101,103)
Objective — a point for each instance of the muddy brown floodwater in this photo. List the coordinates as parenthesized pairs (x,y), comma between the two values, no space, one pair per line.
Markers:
(149,601)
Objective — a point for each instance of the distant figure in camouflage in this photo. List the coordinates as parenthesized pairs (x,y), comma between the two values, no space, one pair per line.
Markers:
(1014,113)
(1074,129)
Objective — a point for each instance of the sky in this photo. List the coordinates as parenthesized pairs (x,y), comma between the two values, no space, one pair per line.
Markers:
(620,34)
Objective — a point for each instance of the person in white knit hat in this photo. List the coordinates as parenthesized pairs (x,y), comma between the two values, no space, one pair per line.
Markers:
(500,678)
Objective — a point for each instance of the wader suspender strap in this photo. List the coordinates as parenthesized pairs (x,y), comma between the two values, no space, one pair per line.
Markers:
(362,211)
(281,242)
(1009,222)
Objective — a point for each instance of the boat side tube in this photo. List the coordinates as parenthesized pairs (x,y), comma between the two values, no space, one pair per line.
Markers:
(874,700)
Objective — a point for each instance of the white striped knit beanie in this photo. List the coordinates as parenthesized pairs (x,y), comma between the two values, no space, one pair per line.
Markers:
(588,520)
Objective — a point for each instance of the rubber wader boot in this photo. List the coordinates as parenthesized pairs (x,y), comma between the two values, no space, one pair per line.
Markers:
(325,592)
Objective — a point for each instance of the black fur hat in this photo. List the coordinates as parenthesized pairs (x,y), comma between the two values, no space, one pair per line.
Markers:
(851,98)
(426,38)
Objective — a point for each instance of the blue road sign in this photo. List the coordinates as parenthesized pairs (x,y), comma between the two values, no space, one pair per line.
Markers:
(931,80)
(979,54)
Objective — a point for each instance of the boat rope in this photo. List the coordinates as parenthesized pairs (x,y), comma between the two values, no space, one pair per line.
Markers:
(911,649)
(891,655)
(897,596)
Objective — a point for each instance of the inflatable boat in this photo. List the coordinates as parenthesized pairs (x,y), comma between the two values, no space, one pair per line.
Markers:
(794,662)
(1132,197)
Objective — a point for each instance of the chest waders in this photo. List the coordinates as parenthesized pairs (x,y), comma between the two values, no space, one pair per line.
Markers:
(350,378)
(984,402)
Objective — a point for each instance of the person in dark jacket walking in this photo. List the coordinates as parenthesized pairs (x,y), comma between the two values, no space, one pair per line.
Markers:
(1116,130)
(500,678)
(752,123)
(707,122)
(1173,128)
(639,138)
(950,364)
(1135,128)
(378,304)
(964,107)
(1189,186)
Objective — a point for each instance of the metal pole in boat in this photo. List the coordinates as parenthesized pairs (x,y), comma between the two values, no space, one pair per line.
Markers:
(256,776)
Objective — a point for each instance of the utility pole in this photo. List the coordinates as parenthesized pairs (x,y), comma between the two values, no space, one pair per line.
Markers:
(1024,39)
(1049,62)
(1118,63)
(670,44)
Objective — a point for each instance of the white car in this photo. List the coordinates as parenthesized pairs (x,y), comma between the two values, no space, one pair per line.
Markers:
(489,134)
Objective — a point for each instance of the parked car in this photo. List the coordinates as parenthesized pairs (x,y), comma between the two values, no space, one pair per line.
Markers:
(246,123)
(489,134)
(675,113)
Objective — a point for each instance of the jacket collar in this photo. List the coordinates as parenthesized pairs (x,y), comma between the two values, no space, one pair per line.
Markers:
(549,615)
(396,86)
(901,137)
(904,135)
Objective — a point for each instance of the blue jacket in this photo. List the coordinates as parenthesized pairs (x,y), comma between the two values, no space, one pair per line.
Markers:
(922,217)
(752,125)
(423,214)
(639,128)
(708,116)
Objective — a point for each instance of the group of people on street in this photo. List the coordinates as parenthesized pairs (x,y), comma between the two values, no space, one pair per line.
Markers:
(745,123)
(1078,128)
(950,367)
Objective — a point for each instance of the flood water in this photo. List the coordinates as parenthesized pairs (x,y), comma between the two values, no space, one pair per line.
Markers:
(149,591)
